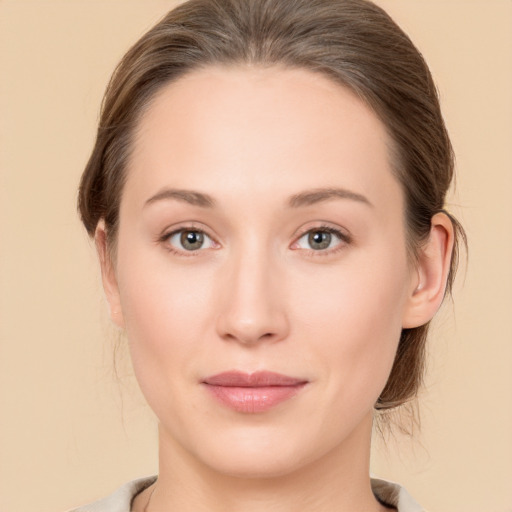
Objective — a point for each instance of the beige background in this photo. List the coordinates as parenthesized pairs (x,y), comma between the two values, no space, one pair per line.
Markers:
(68,433)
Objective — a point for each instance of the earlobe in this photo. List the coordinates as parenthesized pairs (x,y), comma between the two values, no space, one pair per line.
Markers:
(433,266)
(108,275)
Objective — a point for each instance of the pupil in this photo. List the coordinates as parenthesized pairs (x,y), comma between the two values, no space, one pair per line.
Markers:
(191,240)
(320,239)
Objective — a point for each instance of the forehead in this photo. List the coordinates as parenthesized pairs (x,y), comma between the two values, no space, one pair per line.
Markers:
(257,128)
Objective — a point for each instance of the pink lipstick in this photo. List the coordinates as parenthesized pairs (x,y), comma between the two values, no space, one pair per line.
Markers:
(253,392)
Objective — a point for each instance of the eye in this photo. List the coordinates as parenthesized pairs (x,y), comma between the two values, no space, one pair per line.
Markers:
(189,240)
(321,239)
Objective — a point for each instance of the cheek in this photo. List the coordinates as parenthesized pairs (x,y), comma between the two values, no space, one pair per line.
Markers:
(166,316)
(356,318)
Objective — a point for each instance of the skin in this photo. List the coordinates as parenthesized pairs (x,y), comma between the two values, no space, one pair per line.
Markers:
(258,295)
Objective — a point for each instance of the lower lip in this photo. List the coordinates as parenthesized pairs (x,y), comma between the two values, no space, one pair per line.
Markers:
(253,399)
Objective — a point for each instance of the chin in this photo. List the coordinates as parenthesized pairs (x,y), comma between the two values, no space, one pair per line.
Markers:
(258,453)
(245,451)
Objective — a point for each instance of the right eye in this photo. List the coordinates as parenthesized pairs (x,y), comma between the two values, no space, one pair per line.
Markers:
(189,240)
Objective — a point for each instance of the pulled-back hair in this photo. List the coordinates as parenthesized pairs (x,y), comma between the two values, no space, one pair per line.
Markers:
(353,42)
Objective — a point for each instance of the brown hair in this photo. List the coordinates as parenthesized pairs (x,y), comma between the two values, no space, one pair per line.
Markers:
(353,42)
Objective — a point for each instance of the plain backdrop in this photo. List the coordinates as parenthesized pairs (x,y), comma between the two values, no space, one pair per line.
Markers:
(70,431)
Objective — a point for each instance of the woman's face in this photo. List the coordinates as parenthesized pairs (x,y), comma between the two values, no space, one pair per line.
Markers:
(261,230)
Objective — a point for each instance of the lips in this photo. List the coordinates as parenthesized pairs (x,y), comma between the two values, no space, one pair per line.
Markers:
(253,392)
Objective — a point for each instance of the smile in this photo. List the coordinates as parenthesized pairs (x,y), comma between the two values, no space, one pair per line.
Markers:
(253,392)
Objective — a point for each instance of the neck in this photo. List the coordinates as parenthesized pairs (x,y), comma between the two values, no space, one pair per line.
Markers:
(338,480)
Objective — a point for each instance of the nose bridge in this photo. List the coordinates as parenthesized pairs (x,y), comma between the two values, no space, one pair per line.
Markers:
(252,308)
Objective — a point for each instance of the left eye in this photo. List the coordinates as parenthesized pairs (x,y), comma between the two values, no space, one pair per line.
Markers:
(190,240)
(320,239)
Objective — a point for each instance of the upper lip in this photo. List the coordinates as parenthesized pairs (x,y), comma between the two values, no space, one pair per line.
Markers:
(236,378)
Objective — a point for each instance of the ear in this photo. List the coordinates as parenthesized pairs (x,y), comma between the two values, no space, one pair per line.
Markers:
(433,265)
(108,275)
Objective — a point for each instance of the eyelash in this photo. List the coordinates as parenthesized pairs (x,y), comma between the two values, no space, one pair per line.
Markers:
(344,239)
(164,239)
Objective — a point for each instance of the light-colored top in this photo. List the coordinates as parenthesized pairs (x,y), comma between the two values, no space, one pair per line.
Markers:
(121,500)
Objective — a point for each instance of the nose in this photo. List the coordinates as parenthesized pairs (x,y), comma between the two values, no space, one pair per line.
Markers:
(252,305)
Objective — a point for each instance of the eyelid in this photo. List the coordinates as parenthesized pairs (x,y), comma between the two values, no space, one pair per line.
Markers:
(344,238)
(168,233)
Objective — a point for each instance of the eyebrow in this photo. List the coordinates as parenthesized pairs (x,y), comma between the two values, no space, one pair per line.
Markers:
(187,196)
(306,198)
(310,197)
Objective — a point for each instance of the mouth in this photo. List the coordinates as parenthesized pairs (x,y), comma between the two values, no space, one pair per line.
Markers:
(253,392)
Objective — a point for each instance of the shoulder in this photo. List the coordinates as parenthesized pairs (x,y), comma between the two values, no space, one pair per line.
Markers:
(121,499)
(395,495)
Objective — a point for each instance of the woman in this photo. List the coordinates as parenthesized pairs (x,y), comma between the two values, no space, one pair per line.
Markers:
(266,195)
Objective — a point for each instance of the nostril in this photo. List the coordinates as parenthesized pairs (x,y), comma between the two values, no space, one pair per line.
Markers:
(250,333)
